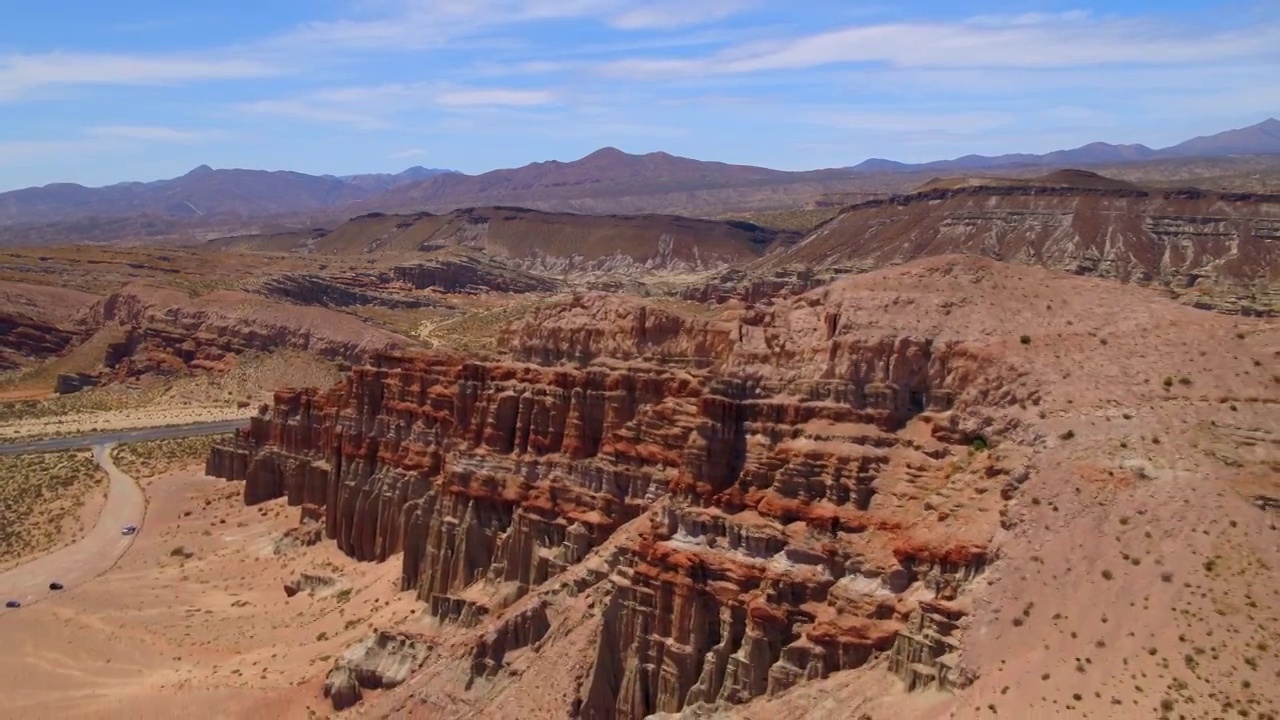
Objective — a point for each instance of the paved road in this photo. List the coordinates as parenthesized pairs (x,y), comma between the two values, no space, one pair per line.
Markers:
(103,546)
(92,556)
(120,437)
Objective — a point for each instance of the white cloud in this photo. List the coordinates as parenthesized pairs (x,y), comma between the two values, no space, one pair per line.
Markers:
(405,154)
(414,24)
(1031,42)
(11,150)
(676,13)
(373,107)
(494,97)
(149,133)
(22,74)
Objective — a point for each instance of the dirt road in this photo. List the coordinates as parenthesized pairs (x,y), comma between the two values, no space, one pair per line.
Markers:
(93,555)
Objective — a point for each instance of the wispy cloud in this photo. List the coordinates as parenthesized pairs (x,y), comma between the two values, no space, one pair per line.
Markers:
(406,154)
(675,13)
(1026,42)
(495,97)
(374,107)
(23,74)
(148,133)
(416,24)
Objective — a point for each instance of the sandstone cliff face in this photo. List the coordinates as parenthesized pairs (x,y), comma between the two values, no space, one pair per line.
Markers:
(1219,250)
(35,322)
(24,339)
(790,474)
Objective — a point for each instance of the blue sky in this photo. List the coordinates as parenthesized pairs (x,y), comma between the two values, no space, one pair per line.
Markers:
(96,92)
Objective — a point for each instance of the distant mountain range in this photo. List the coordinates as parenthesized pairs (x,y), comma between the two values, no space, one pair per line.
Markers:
(200,193)
(606,175)
(1260,139)
(606,181)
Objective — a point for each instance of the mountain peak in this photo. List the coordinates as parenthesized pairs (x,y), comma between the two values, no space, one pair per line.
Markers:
(200,170)
(606,153)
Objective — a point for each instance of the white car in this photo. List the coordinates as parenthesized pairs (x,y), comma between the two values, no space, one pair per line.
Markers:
(129,530)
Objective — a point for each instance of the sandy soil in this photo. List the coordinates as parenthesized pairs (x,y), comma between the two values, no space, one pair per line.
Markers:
(209,635)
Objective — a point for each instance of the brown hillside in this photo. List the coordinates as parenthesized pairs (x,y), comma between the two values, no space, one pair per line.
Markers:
(541,240)
(610,180)
(1222,246)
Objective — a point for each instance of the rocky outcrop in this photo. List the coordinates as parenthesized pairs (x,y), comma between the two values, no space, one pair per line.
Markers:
(520,629)
(926,653)
(381,661)
(69,383)
(310,583)
(790,475)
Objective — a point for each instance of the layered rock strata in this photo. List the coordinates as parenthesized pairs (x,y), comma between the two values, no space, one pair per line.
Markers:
(1215,250)
(792,524)
(24,339)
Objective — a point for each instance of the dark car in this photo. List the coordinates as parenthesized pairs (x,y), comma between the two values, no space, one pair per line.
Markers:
(55,586)
(13,604)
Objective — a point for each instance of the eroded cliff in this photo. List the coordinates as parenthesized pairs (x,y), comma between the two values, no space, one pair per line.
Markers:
(786,478)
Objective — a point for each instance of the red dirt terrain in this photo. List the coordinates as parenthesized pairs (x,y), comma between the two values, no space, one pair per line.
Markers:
(917,480)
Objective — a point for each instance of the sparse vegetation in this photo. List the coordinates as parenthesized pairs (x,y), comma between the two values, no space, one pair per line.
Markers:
(181,552)
(1025,339)
(156,457)
(41,498)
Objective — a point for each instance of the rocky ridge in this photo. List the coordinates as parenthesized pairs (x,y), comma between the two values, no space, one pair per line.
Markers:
(771,472)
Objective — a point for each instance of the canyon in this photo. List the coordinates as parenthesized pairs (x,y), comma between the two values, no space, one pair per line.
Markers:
(972,450)
(695,513)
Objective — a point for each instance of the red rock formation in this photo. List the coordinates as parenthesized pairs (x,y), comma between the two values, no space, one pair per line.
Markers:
(797,506)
